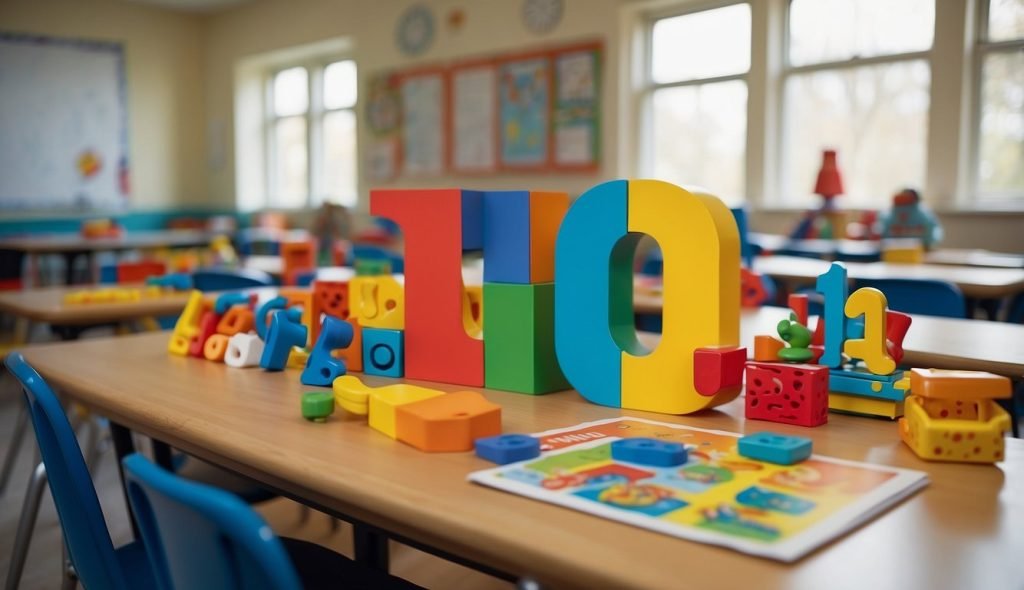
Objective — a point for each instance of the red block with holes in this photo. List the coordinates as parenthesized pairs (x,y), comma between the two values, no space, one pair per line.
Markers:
(787,393)
(329,298)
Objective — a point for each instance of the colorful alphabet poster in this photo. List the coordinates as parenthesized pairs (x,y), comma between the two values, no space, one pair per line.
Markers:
(524,94)
(577,108)
(717,497)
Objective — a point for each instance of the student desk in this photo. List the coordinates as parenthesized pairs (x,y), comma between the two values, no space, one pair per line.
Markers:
(983,258)
(962,530)
(46,305)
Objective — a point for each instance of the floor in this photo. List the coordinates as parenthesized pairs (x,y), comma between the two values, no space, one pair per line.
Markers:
(42,570)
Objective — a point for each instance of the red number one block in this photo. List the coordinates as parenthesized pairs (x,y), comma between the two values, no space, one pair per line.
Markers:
(438,225)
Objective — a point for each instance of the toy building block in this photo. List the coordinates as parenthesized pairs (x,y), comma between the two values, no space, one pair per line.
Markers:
(377,302)
(297,256)
(799,339)
(862,383)
(176,281)
(649,451)
(897,324)
(718,368)
(261,320)
(227,300)
(322,368)
(787,393)
(244,350)
(798,303)
(236,320)
(383,352)
(301,299)
(752,289)
(520,228)
(903,253)
(865,406)
(352,395)
(766,348)
(188,324)
(385,401)
(207,327)
(507,448)
(438,225)
(317,406)
(448,423)
(519,351)
(775,448)
(833,287)
(871,348)
(284,333)
(330,298)
(353,354)
(215,348)
(952,416)
(297,358)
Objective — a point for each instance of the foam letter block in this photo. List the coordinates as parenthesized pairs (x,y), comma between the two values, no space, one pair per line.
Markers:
(284,333)
(520,229)
(448,423)
(507,448)
(833,287)
(787,393)
(438,225)
(329,298)
(207,328)
(775,448)
(187,325)
(594,293)
(700,245)
(649,451)
(766,348)
(244,350)
(227,300)
(237,319)
(519,352)
(261,319)
(215,348)
(716,369)
(383,352)
(322,368)
(377,302)
(871,348)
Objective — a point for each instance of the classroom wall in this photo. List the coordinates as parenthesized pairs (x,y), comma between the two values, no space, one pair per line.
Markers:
(491,26)
(163,57)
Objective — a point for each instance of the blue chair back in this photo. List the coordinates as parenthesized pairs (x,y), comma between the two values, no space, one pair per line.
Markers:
(81,518)
(225,280)
(920,296)
(198,536)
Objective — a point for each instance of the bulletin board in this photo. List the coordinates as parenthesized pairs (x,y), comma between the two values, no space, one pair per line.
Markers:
(65,124)
(535,110)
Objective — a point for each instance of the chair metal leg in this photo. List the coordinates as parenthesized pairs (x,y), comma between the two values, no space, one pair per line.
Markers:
(26,524)
(14,447)
(69,581)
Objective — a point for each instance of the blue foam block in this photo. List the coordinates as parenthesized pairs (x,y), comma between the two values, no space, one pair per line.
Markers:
(285,332)
(507,237)
(322,368)
(649,451)
(263,310)
(383,352)
(775,448)
(507,448)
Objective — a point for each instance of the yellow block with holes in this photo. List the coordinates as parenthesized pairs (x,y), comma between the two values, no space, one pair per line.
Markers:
(188,324)
(701,248)
(377,302)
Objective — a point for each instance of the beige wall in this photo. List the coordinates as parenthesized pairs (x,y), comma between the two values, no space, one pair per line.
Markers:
(163,56)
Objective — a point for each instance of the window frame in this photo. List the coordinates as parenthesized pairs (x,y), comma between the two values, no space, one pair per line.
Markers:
(314,116)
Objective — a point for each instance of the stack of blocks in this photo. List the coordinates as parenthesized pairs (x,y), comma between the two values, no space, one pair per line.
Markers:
(519,293)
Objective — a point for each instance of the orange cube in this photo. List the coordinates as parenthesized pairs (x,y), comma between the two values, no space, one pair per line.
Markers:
(448,423)
(958,385)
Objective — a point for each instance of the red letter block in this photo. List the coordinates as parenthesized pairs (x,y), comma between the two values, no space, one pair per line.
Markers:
(437,225)
(786,393)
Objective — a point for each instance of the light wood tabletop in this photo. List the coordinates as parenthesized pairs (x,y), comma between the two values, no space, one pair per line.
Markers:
(47,305)
(131,240)
(963,530)
(971,257)
(978,282)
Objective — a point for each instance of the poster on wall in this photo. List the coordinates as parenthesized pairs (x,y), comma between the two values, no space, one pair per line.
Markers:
(423,124)
(383,117)
(64,143)
(474,113)
(525,94)
(577,117)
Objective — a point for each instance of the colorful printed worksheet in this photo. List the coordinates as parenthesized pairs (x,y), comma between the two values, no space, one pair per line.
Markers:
(719,497)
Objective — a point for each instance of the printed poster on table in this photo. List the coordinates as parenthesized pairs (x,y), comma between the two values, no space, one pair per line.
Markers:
(718,497)
(576,115)
(423,124)
(524,93)
(474,110)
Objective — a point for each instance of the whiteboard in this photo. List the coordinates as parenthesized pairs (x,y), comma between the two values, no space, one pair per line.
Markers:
(63,124)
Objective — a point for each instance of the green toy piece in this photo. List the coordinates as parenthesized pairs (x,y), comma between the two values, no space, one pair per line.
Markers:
(799,339)
(369,267)
(317,405)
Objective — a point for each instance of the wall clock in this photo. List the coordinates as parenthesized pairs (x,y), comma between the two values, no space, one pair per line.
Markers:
(415,30)
(541,16)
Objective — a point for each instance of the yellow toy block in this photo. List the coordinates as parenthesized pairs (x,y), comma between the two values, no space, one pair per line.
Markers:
(701,296)
(473,311)
(188,323)
(378,302)
(381,401)
(865,406)
(903,255)
(297,358)
(870,303)
(352,395)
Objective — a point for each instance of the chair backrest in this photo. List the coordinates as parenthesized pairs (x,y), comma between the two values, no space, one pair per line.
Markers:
(198,536)
(81,517)
(225,280)
(920,296)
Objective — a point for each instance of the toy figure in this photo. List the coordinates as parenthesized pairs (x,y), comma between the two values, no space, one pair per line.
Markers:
(908,218)
(799,339)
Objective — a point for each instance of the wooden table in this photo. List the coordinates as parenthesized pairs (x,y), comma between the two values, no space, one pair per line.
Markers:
(982,283)
(46,305)
(964,530)
(968,257)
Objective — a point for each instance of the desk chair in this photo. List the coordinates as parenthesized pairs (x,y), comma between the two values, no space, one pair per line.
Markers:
(920,296)
(201,537)
(93,558)
(226,280)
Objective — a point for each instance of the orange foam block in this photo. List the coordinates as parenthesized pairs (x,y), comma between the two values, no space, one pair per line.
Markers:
(958,385)
(766,348)
(448,423)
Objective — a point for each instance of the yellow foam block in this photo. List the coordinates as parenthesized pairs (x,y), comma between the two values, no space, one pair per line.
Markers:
(932,430)
(188,323)
(865,406)
(377,302)
(297,358)
(384,401)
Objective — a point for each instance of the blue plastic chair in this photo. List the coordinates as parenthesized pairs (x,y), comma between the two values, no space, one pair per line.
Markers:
(225,280)
(1016,313)
(201,537)
(97,563)
(920,296)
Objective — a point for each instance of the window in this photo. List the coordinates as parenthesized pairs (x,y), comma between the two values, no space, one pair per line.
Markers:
(857,80)
(695,99)
(311,135)
(999,153)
